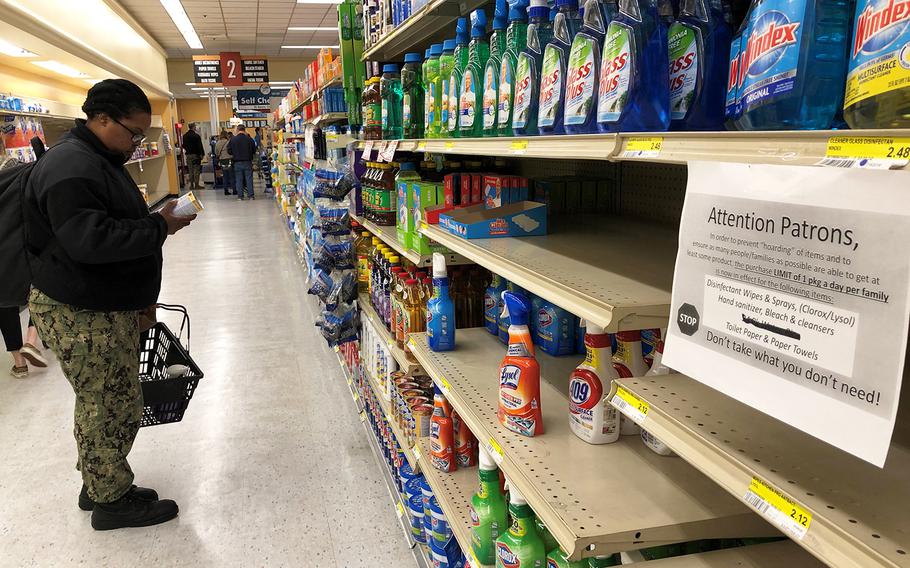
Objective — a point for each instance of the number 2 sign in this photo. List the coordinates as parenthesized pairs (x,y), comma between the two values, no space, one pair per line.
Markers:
(231,75)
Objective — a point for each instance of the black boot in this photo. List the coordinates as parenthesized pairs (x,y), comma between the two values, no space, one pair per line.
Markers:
(130,511)
(86,503)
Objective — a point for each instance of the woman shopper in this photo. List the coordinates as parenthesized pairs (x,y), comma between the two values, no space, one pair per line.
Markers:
(23,353)
(224,159)
(95,253)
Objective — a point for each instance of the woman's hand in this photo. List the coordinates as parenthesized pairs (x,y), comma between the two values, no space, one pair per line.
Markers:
(174,222)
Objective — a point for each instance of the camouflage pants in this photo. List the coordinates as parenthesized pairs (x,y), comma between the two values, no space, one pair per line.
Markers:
(99,354)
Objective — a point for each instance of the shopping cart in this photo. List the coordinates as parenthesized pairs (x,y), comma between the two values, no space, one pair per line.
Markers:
(166,397)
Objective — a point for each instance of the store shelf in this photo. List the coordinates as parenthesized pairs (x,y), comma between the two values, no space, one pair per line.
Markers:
(858,513)
(414,33)
(389,235)
(327,118)
(453,491)
(803,147)
(146,159)
(781,554)
(594,499)
(611,271)
(398,353)
(336,82)
(355,396)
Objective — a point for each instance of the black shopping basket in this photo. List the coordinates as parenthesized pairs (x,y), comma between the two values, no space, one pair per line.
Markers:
(166,398)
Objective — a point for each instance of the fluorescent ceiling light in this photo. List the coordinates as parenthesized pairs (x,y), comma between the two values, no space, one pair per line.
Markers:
(182,21)
(60,68)
(314,29)
(7,48)
(309,46)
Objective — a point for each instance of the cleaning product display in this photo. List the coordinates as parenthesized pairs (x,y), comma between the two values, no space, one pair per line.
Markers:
(470,100)
(460,55)
(489,512)
(441,309)
(519,373)
(590,417)
(583,73)
(441,86)
(391,102)
(516,40)
(553,71)
(520,545)
(492,70)
(412,93)
(432,107)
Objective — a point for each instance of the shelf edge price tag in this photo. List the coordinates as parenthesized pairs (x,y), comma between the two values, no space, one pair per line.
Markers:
(777,507)
(867,152)
(633,407)
(363,416)
(380,151)
(444,385)
(643,147)
(519,146)
(367,149)
(421,146)
(400,509)
(450,145)
(388,150)
(416,451)
(495,450)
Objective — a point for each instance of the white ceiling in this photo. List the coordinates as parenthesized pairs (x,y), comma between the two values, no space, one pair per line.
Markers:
(252,27)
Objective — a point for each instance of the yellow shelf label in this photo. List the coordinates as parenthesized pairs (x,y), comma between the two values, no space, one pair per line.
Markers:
(363,416)
(400,509)
(867,152)
(422,145)
(424,225)
(416,451)
(643,147)
(519,145)
(450,145)
(446,387)
(495,450)
(629,404)
(778,508)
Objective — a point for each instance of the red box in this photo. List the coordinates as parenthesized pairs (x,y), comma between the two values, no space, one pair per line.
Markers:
(451,182)
(466,183)
(476,189)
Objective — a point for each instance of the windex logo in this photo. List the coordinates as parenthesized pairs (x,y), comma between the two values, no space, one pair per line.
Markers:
(489,302)
(506,556)
(766,46)
(877,29)
(509,376)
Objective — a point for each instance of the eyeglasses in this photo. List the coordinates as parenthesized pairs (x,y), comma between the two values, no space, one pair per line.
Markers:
(138,138)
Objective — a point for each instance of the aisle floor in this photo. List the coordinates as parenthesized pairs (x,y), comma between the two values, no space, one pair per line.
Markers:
(270,466)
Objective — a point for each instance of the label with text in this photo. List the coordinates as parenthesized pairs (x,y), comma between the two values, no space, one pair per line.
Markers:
(778,508)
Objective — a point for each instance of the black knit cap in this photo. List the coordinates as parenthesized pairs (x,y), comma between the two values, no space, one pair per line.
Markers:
(117,98)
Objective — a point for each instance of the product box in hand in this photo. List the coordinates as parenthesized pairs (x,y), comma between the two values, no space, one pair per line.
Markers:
(522,219)
(188,205)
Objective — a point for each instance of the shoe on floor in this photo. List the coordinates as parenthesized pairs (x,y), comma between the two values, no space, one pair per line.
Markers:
(141,493)
(33,356)
(131,511)
(227,192)
(19,372)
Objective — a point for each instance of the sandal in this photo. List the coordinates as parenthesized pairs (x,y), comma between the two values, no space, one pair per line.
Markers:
(33,356)
(19,372)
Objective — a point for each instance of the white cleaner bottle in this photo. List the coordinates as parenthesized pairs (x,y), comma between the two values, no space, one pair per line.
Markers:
(629,362)
(591,418)
(657,368)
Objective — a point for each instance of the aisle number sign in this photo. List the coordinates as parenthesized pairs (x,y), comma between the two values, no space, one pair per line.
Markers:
(230,69)
(792,292)
(778,507)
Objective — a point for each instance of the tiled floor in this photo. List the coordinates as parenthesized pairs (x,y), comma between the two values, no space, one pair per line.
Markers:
(270,466)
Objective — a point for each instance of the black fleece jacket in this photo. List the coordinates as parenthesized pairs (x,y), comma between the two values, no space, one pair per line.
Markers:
(91,239)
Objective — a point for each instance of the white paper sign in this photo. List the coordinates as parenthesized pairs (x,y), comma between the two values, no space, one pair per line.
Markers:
(792,293)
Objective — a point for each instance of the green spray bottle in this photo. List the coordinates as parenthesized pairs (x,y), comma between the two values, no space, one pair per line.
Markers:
(453,88)
(446,64)
(426,99)
(470,103)
(549,542)
(489,516)
(521,545)
(516,41)
(432,98)
(491,70)
(604,561)
(559,559)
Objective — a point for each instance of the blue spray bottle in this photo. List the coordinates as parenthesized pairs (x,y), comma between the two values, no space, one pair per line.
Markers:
(634,93)
(699,47)
(440,309)
(527,70)
(491,307)
(793,63)
(732,104)
(553,70)
(584,67)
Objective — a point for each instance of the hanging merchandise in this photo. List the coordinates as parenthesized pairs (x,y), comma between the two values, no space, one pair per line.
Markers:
(519,373)
(634,94)
(440,309)
(339,325)
(793,63)
(433,98)
(412,94)
(492,68)
(470,104)
(516,40)
(553,71)
(446,65)
(334,253)
(699,47)
(590,417)
(442,434)
(583,72)
(528,68)
(520,545)
(462,36)
(489,513)
(390,90)
(878,84)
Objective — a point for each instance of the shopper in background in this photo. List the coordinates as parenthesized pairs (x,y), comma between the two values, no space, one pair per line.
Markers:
(258,138)
(192,147)
(242,149)
(23,353)
(95,254)
(224,160)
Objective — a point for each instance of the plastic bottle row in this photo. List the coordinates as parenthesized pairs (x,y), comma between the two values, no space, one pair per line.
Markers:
(632,66)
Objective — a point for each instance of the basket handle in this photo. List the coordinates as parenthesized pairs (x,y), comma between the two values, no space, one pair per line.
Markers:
(185,323)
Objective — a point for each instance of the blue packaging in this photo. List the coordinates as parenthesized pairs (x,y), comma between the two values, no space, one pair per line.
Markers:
(491,304)
(550,117)
(649,340)
(793,63)
(583,68)
(580,338)
(527,70)
(555,329)
(416,515)
(426,495)
(441,530)
(446,555)
(440,310)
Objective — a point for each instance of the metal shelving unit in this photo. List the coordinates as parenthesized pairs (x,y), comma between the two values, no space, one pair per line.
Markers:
(594,499)
(389,236)
(327,118)
(398,353)
(611,271)
(856,511)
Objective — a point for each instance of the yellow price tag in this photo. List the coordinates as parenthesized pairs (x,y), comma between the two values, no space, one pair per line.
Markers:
(633,407)
(416,451)
(422,145)
(424,225)
(519,146)
(450,145)
(643,147)
(363,416)
(866,152)
(778,507)
(445,385)
(495,450)
(411,342)
(400,509)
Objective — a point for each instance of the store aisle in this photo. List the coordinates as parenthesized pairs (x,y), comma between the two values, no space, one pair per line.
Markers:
(270,466)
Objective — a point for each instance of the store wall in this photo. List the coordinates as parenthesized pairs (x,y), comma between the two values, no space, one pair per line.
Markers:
(197,109)
(25,84)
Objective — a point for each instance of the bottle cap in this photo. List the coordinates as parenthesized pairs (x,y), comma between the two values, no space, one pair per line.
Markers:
(436,50)
(569,3)
(365,234)
(421,275)
(410,281)
(486,460)
(426,53)
(408,166)
(501,15)
(448,45)
(390,68)
(590,328)
(439,265)
(461,31)
(516,308)
(376,241)
(478,24)
(539,9)
(518,13)
(516,498)
(395,259)
(396,269)
(412,58)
